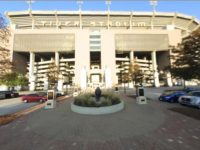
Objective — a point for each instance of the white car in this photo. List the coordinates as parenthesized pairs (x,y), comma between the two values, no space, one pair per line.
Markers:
(192,99)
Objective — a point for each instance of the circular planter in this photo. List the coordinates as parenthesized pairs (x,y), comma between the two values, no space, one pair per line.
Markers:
(97,110)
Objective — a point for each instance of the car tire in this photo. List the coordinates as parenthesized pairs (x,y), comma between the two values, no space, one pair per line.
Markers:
(26,101)
(41,101)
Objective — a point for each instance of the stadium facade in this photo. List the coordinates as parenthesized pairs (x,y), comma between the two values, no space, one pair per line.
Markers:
(92,47)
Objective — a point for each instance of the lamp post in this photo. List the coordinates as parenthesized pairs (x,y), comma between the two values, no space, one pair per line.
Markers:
(79,2)
(108,3)
(29,2)
(153,3)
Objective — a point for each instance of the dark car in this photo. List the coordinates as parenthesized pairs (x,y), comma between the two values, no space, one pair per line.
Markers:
(34,98)
(171,96)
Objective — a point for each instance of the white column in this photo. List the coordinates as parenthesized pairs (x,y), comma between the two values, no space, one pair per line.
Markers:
(131,56)
(132,62)
(108,59)
(32,77)
(83,78)
(60,78)
(108,78)
(155,71)
(82,54)
(169,79)
(60,83)
(46,83)
(57,59)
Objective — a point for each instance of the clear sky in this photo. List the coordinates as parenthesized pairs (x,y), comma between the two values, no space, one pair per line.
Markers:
(189,7)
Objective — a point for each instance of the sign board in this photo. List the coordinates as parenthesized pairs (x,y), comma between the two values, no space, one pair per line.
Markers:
(51,99)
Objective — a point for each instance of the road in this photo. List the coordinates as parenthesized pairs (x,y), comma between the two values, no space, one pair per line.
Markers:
(12,105)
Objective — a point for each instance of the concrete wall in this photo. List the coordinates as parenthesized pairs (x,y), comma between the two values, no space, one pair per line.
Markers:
(20,62)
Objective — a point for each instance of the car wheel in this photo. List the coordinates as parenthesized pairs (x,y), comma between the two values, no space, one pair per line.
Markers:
(41,101)
(26,101)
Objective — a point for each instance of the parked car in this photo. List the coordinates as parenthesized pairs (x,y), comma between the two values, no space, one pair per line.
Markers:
(171,96)
(8,94)
(38,97)
(191,99)
(188,89)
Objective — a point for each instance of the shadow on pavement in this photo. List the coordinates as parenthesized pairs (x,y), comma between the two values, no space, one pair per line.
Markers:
(187,111)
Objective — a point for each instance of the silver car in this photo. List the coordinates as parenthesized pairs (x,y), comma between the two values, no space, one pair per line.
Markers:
(192,99)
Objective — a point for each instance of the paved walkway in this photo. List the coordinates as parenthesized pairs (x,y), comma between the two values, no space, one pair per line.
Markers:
(137,127)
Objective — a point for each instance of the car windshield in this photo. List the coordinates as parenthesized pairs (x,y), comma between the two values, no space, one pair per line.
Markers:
(42,94)
(32,95)
(194,94)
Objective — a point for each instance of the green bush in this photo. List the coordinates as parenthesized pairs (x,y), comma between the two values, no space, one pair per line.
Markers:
(89,100)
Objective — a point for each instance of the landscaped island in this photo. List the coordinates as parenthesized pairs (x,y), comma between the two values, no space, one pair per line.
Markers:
(88,103)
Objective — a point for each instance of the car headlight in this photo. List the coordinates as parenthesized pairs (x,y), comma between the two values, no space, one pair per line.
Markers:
(179,99)
(196,100)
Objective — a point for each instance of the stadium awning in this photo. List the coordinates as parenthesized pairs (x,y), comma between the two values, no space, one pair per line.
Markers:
(44,42)
(141,42)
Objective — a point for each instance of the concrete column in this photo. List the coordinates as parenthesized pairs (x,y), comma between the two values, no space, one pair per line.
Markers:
(57,60)
(131,56)
(46,83)
(155,71)
(82,54)
(32,77)
(83,83)
(108,59)
(60,78)
(169,79)
(108,80)
(60,83)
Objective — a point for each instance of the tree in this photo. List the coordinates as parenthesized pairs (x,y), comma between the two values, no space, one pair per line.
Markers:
(186,58)
(8,76)
(13,79)
(5,64)
(53,74)
(136,74)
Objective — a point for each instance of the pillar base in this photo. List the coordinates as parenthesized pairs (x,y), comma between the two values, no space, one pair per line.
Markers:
(60,85)
(169,80)
(156,79)
(32,86)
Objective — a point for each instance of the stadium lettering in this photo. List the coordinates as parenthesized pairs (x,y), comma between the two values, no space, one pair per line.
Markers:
(93,23)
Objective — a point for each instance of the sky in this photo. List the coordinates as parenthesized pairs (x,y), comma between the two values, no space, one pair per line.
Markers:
(189,7)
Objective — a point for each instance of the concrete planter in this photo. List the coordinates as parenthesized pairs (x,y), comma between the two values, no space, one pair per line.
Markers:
(97,110)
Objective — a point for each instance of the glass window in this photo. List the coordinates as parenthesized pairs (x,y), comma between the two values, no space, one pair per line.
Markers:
(95,36)
(95,42)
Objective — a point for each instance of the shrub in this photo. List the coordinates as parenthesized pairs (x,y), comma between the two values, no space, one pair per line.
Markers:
(89,100)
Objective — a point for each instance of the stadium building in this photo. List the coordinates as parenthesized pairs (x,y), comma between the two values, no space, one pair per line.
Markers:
(92,47)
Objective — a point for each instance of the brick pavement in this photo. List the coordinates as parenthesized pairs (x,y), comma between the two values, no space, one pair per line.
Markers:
(137,127)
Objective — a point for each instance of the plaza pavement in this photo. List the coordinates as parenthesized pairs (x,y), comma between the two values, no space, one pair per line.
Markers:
(138,127)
